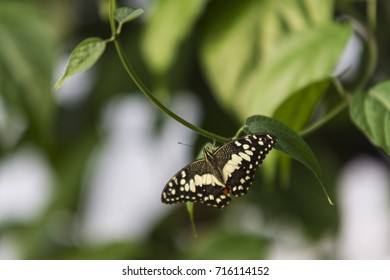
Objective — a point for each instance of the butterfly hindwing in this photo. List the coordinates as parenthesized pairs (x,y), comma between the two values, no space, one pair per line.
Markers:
(216,196)
(239,159)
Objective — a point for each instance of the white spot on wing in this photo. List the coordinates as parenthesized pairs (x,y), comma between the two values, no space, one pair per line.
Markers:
(229,168)
(245,156)
(236,159)
(192,184)
(207,179)
(198,180)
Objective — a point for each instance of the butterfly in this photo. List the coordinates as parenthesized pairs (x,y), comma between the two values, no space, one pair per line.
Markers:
(228,170)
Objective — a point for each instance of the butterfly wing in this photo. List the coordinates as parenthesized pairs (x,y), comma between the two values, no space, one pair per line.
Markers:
(196,182)
(239,159)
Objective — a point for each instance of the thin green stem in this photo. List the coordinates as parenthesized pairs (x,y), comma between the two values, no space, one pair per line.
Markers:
(372,60)
(339,87)
(111,9)
(133,75)
(119,29)
(372,47)
(239,132)
(371,14)
(336,110)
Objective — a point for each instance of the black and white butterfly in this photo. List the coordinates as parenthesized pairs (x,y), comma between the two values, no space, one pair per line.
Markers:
(229,170)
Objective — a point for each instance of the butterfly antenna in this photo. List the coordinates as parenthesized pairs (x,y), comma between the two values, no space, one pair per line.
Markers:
(184,144)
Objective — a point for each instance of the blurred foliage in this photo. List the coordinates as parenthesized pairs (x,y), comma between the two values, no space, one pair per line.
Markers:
(240,58)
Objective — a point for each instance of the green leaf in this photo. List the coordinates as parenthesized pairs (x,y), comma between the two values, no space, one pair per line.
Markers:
(190,210)
(170,23)
(126,14)
(371,114)
(259,55)
(299,60)
(310,96)
(289,143)
(83,57)
(27,48)
(296,119)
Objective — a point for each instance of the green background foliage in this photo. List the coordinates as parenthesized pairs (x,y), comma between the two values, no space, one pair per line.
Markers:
(240,59)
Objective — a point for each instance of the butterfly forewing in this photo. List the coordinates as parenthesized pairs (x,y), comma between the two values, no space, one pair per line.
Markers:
(196,182)
(239,159)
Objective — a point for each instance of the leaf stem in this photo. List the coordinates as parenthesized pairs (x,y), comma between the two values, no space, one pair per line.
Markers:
(239,132)
(371,14)
(133,75)
(372,47)
(336,110)
(339,87)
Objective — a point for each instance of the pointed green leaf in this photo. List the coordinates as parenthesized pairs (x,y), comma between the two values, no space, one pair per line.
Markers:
(83,57)
(310,96)
(190,209)
(127,14)
(371,114)
(289,143)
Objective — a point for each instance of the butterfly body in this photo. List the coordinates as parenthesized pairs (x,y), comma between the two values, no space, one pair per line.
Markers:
(229,170)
